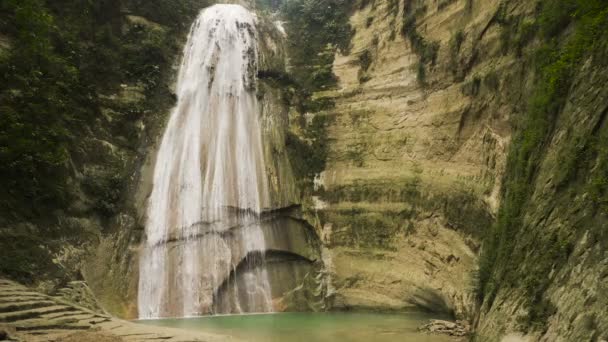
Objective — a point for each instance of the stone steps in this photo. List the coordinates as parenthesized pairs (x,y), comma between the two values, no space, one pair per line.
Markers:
(26,305)
(80,317)
(50,334)
(15,316)
(73,314)
(52,326)
(19,299)
(9,293)
(36,317)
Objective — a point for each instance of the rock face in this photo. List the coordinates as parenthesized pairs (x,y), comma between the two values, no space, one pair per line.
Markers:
(413,172)
(561,244)
(426,102)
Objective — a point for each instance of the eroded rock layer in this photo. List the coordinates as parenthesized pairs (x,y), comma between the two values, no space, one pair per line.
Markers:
(414,167)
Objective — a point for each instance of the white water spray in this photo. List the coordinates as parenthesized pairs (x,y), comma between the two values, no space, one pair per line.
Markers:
(209,177)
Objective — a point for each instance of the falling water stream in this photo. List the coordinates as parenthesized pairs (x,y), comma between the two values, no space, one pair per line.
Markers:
(209,184)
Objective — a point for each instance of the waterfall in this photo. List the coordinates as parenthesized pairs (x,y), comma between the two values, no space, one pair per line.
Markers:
(210,184)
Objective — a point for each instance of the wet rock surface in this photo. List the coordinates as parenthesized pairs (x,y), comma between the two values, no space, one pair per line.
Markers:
(457,329)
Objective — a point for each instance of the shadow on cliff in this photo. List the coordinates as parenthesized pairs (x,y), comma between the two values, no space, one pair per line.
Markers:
(430,300)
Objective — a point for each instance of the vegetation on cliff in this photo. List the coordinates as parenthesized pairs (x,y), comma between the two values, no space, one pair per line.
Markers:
(62,56)
(322,28)
(61,65)
(569,33)
(426,50)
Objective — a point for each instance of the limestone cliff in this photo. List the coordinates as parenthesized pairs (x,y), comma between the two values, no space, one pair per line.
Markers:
(428,98)
(544,266)
(413,172)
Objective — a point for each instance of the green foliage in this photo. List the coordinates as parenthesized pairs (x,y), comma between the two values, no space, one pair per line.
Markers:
(426,50)
(406,191)
(107,189)
(29,256)
(358,117)
(442,4)
(472,87)
(66,53)
(171,13)
(363,76)
(375,41)
(421,73)
(271,5)
(457,40)
(506,35)
(308,154)
(393,35)
(463,210)
(367,229)
(455,45)
(369,21)
(65,59)
(525,34)
(598,184)
(365,61)
(556,63)
(41,95)
(393,6)
(365,3)
(556,16)
(516,34)
(355,154)
(491,80)
(321,27)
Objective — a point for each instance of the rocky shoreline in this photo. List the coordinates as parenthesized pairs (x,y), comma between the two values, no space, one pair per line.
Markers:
(455,329)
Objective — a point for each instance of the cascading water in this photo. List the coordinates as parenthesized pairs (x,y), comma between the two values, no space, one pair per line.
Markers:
(209,178)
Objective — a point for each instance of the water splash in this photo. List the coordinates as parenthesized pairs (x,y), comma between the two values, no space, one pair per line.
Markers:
(209,177)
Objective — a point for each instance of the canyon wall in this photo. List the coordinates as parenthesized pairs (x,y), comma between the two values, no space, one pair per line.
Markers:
(423,180)
(413,173)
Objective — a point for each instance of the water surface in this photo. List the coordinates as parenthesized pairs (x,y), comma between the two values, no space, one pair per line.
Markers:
(312,327)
